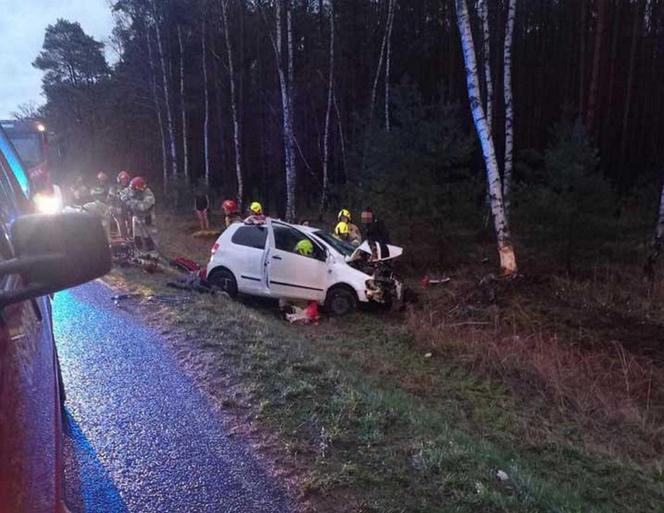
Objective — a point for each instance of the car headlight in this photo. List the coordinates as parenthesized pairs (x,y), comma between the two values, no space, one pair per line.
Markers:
(47,204)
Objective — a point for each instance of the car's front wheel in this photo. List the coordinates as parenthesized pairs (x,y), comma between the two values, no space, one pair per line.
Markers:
(340,301)
(223,279)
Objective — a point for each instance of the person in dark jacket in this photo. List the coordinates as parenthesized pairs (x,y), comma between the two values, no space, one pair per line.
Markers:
(376,233)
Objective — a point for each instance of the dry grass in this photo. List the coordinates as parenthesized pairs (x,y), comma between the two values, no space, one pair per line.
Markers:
(563,342)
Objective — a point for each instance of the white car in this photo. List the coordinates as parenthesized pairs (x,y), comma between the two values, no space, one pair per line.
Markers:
(260,260)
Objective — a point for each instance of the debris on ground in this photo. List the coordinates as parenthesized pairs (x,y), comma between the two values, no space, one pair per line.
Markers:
(306,315)
(206,234)
(194,282)
(427,280)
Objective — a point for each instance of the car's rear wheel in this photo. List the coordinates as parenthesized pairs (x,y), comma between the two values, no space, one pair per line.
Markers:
(225,280)
(340,301)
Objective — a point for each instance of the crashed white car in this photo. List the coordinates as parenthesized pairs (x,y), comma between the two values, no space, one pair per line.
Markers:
(260,260)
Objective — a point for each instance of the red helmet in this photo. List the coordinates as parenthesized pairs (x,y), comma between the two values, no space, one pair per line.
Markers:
(138,183)
(102,177)
(123,178)
(230,206)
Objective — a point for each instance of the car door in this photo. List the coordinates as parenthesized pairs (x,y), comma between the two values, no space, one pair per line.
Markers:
(248,247)
(291,275)
(30,416)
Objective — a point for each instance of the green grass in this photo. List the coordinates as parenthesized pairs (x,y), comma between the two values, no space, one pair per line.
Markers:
(380,428)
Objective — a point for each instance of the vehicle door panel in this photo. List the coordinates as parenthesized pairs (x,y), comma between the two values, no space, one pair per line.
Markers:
(30,422)
(249,256)
(292,275)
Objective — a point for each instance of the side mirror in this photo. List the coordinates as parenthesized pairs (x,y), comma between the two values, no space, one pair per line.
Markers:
(55,252)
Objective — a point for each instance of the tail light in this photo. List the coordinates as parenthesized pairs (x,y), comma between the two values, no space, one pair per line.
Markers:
(215,247)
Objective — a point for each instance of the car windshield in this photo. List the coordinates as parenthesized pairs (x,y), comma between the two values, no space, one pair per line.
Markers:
(29,148)
(342,247)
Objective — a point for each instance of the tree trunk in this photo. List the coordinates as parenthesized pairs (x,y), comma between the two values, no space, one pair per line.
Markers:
(183,106)
(160,120)
(582,58)
(658,239)
(483,12)
(234,108)
(630,81)
(164,81)
(506,253)
(286,103)
(206,94)
(328,112)
(388,61)
(509,107)
(597,58)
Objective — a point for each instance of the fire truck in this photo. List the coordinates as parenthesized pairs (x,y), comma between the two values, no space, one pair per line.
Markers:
(30,140)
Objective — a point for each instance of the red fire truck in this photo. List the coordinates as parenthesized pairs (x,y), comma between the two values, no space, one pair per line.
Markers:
(30,139)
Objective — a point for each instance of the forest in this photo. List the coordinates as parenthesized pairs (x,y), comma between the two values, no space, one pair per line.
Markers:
(311,106)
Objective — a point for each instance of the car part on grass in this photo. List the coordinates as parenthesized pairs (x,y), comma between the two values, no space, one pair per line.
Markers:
(306,315)
(427,280)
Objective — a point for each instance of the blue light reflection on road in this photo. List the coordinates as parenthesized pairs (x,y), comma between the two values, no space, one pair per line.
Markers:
(158,444)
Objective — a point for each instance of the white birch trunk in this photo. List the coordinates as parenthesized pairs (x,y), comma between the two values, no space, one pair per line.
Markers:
(508,263)
(206,92)
(374,87)
(483,11)
(288,121)
(509,107)
(183,107)
(388,61)
(342,138)
(234,109)
(658,240)
(160,120)
(328,113)
(164,78)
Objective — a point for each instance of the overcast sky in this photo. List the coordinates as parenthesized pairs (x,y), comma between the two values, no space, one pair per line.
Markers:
(22,26)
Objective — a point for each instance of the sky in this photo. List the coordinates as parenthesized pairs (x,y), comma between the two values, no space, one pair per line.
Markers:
(22,27)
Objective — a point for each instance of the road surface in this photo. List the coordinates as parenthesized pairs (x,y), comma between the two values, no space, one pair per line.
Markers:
(142,438)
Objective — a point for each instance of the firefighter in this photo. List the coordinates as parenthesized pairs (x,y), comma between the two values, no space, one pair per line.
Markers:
(80,192)
(117,196)
(99,207)
(346,230)
(256,215)
(102,181)
(140,202)
(231,212)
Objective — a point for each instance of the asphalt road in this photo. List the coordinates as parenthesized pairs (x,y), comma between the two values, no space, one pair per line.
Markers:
(141,437)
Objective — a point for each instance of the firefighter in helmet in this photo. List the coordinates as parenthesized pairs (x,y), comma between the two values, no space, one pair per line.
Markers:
(305,248)
(140,203)
(99,207)
(117,196)
(346,230)
(231,212)
(256,215)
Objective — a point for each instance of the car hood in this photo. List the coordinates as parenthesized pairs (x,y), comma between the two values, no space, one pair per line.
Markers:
(391,253)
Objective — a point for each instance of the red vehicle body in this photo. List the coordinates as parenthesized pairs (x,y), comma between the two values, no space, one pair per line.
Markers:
(30,401)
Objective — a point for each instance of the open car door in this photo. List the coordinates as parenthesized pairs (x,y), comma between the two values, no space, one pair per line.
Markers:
(289,274)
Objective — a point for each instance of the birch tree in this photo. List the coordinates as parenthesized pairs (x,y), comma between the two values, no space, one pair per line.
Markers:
(206,96)
(483,11)
(509,107)
(388,61)
(164,80)
(157,109)
(328,113)
(658,240)
(506,253)
(234,109)
(183,109)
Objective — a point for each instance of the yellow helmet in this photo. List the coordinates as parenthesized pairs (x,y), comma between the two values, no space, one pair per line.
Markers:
(344,213)
(305,247)
(256,208)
